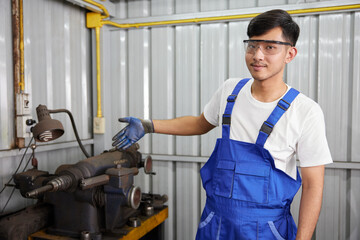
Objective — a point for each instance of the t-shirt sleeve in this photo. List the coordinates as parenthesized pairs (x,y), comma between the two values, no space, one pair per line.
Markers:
(212,108)
(312,147)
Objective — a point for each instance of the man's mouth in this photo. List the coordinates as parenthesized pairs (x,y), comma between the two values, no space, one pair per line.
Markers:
(257,66)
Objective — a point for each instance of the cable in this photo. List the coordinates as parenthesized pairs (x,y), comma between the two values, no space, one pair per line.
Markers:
(22,159)
(74,128)
(12,192)
(6,185)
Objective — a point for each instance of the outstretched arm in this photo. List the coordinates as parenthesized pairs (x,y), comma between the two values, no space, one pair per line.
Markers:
(311,199)
(137,128)
(188,125)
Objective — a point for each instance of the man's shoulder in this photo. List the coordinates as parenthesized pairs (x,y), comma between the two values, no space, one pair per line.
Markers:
(230,83)
(306,106)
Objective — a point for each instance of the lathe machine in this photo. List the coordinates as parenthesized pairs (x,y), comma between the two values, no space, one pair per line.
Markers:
(94,196)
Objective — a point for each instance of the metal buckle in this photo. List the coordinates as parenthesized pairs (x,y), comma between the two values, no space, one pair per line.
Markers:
(231,98)
(226,119)
(283,106)
(267,128)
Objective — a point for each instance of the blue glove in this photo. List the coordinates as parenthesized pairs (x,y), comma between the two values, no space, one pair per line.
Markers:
(132,133)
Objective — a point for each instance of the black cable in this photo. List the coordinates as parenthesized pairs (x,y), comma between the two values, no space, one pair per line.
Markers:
(74,128)
(27,163)
(22,159)
(12,192)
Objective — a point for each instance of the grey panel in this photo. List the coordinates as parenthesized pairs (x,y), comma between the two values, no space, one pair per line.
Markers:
(119,78)
(234,4)
(332,220)
(262,3)
(187,200)
(354,205)
(213,5)
(355,127)
(139,86)
(237,65)
(213,71)
(57,63)
(7,131)
(333,79)
(302,71)
(162,7)
(187,83)
(162,85)
(187,6)
(163,183)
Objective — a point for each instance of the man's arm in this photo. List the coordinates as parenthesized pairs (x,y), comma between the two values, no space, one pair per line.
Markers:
(311,199)
(188,125)
(137,128)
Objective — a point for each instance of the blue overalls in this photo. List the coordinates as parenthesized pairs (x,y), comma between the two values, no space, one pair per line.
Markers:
(247,197)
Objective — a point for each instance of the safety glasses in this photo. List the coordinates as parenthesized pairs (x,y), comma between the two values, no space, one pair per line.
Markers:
(268,47)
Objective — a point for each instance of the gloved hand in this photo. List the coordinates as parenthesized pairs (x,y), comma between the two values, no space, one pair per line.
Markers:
(132,133)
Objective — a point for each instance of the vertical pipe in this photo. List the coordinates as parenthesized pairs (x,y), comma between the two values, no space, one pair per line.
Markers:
(17,58)
(16,45)
(98,81)
(21,23)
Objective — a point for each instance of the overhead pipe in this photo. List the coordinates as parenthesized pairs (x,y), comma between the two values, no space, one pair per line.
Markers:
(97,20)
(227,18)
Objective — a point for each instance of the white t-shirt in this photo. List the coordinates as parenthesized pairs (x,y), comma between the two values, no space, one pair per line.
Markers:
(300,130)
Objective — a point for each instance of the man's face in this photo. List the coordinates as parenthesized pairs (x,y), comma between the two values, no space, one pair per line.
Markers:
(263,61)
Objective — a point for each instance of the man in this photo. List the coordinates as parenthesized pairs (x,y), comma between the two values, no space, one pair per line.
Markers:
(251,177)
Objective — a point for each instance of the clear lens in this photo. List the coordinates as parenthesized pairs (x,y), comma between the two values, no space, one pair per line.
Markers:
(267,47)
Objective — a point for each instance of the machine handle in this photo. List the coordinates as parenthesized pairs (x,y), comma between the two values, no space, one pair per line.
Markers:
(94,181)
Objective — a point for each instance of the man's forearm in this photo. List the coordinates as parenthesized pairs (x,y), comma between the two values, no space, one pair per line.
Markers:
(188,125)
(310,206)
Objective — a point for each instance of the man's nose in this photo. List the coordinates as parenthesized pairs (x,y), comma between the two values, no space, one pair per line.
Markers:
(258,54)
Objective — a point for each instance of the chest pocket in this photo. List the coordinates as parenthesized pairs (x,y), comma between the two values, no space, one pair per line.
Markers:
(242,181)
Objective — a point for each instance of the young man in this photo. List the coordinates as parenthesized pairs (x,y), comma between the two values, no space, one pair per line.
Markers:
(251,177)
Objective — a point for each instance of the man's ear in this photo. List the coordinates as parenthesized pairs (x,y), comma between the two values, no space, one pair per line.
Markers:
(292,51)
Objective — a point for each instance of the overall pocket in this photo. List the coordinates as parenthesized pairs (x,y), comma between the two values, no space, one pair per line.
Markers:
(224,178)
(251,182)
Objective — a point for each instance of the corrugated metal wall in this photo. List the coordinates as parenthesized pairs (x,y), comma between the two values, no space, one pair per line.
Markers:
(57,74)
(166,72)
(173,71)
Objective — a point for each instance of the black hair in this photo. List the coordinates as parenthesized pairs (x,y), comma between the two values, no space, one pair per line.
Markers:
(272,19)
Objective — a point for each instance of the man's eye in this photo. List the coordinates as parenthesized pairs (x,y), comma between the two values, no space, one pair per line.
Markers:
(251,46)
(270,47)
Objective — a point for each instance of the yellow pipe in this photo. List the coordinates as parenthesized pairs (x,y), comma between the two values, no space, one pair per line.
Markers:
(21,82)
(99,6)
(98,79)
(100,22)
(224,18)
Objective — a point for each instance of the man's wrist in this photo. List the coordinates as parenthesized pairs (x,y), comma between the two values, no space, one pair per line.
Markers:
(148,125)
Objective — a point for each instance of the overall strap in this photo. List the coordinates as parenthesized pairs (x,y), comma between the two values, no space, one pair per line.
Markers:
(226,119)
(276,114)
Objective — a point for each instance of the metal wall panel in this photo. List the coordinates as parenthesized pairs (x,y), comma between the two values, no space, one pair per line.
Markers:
(6,78)
(213,71)
(57,62)
(187,84)
(333,91)
(355,126)
(57,58)
(173,71)
(205,55)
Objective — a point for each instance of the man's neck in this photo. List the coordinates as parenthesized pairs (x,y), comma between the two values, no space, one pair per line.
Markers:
(268,90)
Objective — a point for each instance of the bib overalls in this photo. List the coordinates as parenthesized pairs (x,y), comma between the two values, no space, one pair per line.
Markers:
(246,196)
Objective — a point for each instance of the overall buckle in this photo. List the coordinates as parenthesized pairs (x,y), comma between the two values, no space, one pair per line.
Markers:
(226,119)
(267,128)
(284,105)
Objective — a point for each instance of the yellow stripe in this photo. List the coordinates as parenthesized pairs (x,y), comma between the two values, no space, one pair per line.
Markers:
(224,18)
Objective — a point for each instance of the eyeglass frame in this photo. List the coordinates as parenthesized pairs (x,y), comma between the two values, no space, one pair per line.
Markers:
(268,41)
